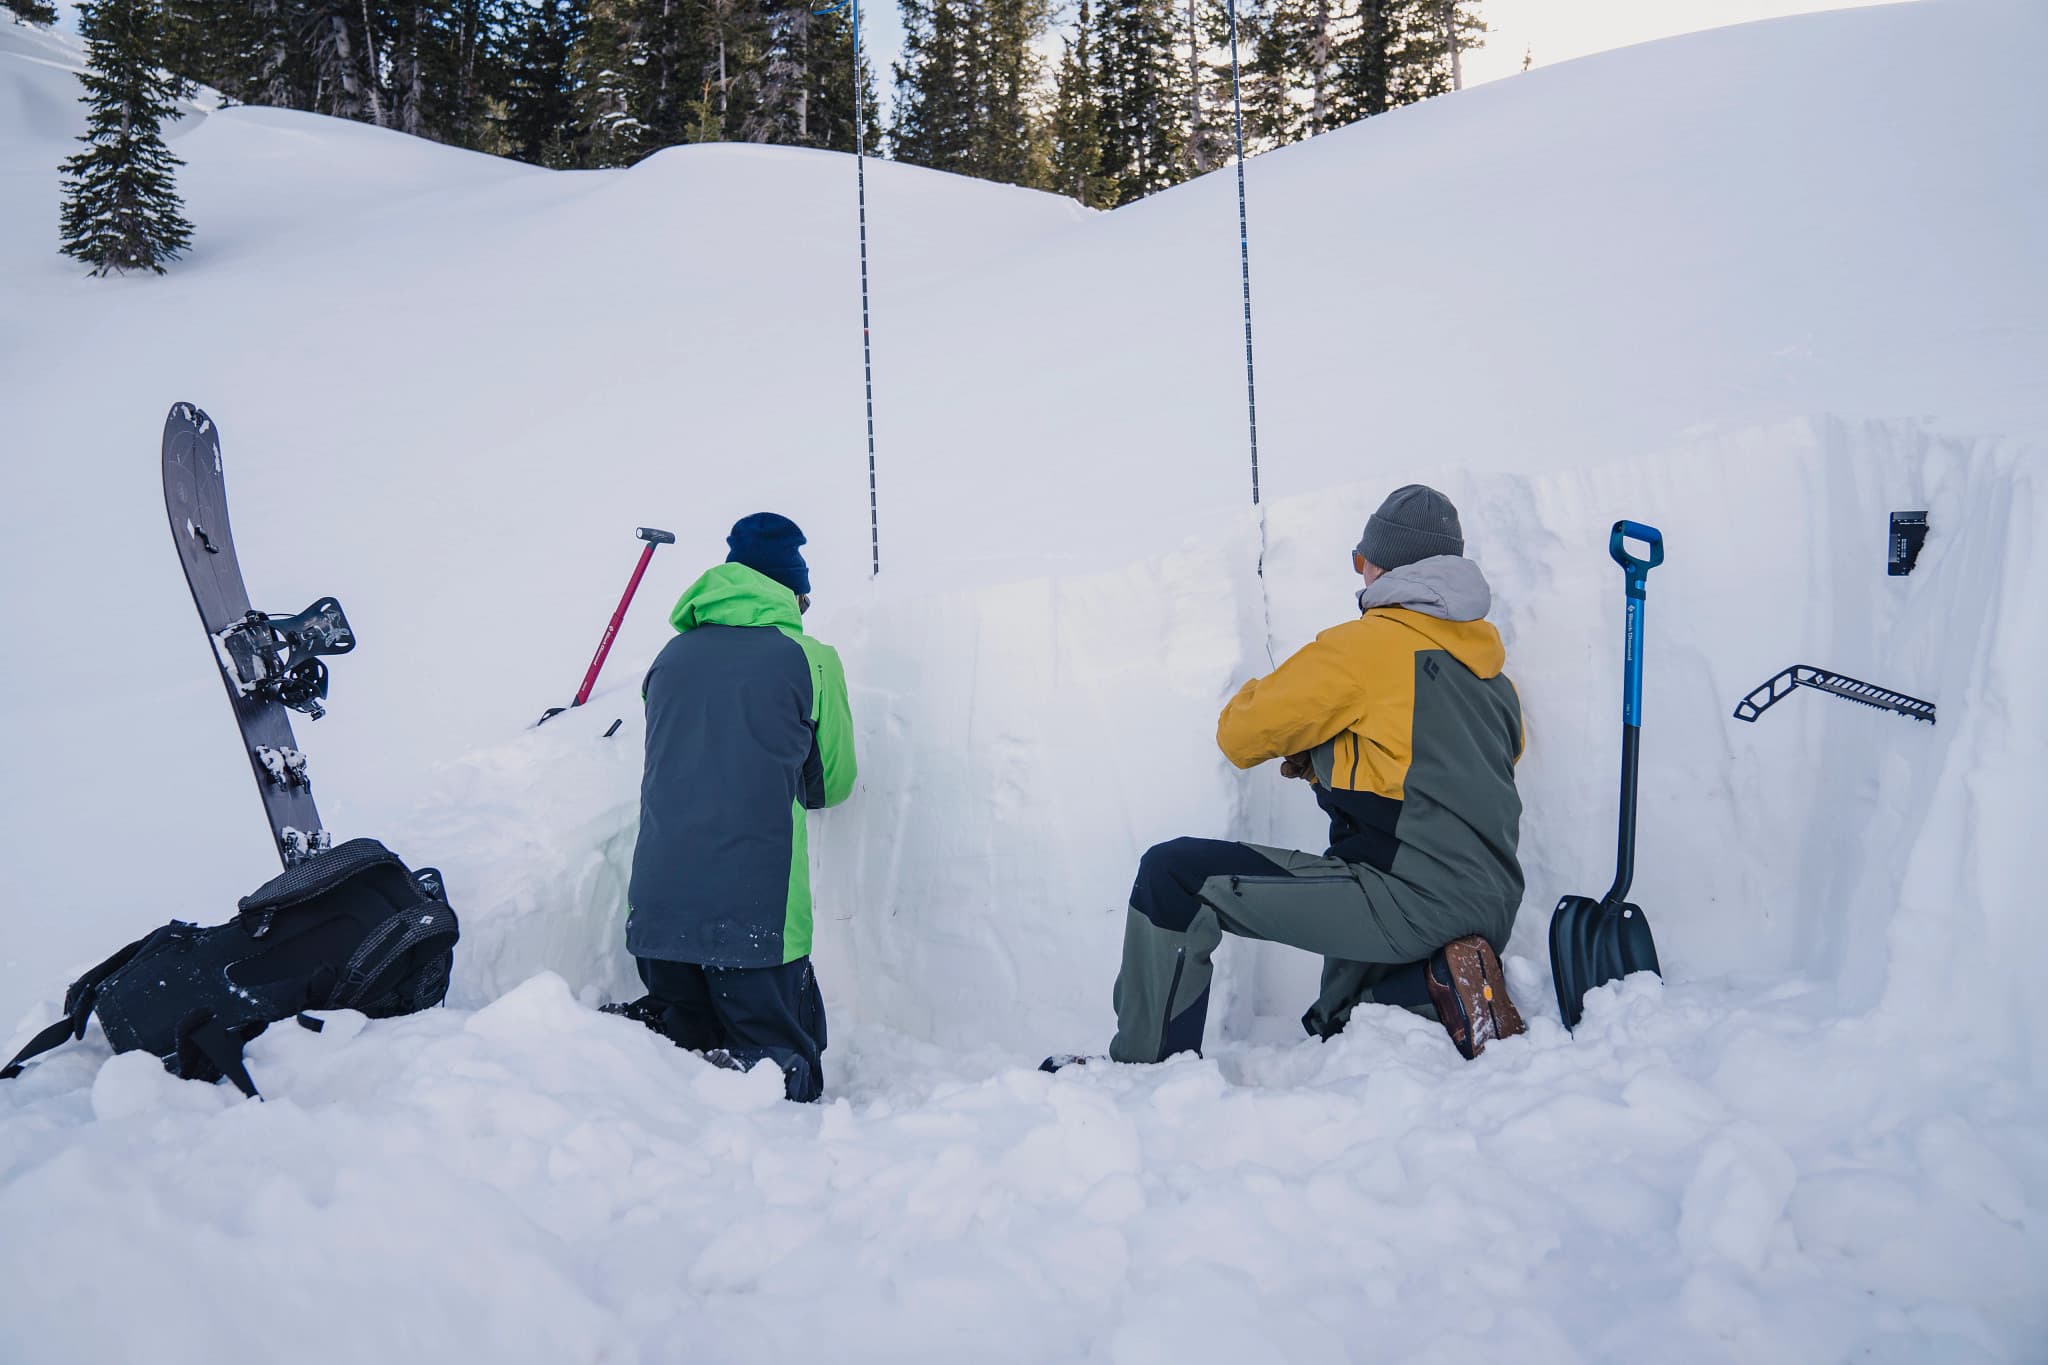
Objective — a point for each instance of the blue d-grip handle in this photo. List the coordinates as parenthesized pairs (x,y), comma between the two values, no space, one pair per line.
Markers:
(1638,570)
(1637,575)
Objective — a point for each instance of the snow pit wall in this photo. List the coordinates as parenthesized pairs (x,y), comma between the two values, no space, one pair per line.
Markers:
(1022,745)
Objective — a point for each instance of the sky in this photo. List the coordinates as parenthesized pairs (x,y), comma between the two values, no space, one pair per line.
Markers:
(1552,31)
(1549,31)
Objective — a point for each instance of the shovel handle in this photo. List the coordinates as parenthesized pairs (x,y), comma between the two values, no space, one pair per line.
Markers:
(1638,570)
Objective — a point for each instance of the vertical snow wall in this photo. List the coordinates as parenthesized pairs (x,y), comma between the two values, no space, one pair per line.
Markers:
(1021,745)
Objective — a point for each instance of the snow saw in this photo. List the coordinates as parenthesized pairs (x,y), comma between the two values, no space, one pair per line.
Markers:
(1593,941)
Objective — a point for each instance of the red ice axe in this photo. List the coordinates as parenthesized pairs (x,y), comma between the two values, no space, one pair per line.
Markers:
(604,646)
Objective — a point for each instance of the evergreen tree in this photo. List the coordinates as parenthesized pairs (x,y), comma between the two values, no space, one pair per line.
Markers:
(1270,46)
(33,11)
(1141,82)
(834,74)
(604,69)
(242,48)
(1205,119)
(934,123)
(782,111)
(1004,77)
(671,70)
(1396,52)
(806,91)
(735,35)
(1076,151)
(540,92)
(121,208)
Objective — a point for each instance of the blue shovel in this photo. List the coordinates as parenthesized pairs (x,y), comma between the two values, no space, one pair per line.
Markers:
(1593,942)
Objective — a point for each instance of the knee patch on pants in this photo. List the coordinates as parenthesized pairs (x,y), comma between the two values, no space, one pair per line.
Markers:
(1170,876)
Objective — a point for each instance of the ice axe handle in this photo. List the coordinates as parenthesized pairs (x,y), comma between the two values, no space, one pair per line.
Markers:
(611,630)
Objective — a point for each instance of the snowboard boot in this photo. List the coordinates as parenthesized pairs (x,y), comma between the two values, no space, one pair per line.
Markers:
(1059,1061)
(1471,994)
(646,1010)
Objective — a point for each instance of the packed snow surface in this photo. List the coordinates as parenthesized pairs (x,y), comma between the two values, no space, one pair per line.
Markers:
(1758,287)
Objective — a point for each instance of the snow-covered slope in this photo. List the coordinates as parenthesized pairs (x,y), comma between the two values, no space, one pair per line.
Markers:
(1738,285)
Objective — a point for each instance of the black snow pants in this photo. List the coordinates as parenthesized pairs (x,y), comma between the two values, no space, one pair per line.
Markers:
(751,1012)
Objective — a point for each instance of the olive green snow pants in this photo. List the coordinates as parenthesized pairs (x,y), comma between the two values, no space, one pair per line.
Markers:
(1190,892)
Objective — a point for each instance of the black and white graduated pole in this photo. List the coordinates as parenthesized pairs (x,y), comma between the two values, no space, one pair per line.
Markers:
(867,348)
(1244,263)
(1244,267)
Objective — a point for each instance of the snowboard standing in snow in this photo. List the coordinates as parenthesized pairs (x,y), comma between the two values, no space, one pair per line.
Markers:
(270,664)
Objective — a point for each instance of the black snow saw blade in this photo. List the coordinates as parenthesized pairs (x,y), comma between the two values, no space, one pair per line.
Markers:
(1593,942)
(1781,685)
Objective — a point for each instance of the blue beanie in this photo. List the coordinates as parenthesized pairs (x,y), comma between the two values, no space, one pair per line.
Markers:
(767,543)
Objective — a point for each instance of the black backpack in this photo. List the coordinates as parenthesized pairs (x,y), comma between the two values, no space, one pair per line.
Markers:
(352,928)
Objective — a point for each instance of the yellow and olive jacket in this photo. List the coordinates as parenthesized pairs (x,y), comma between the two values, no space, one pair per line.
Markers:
(1414,732)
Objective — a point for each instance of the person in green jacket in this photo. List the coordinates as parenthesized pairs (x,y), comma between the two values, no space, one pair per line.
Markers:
(747,729)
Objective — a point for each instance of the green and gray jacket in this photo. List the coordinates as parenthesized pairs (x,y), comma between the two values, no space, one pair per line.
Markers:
(747,728)
(1414,731)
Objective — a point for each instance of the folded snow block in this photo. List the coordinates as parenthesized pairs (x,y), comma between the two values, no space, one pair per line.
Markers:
(353,928)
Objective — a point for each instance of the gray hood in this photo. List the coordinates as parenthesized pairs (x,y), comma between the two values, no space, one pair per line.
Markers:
(1448,587)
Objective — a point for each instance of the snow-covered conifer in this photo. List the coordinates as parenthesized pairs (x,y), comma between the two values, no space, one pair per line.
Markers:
(121,207)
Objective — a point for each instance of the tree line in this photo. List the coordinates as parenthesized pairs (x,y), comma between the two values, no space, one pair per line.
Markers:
(1140,96)
(564,83)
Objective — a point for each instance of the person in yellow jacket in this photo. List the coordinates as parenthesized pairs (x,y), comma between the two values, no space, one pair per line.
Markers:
(1408,730)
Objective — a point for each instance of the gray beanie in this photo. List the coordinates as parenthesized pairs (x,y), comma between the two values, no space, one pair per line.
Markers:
(1414,523)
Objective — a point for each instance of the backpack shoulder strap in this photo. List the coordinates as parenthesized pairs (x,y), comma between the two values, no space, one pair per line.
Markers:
(51,1038)
(205,1046)
(81,997)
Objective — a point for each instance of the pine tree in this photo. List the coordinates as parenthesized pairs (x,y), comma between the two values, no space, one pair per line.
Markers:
(1004,76)
(782,111)
(1204,141)
(444,70)
(604,67)
(934,122)
(1076,151)
(1398,52)
(734,37)
(33,11)
(833,74)
(121,208)
(540,98)
(671,70)
(805,95)
(1270,46)
(1140,79)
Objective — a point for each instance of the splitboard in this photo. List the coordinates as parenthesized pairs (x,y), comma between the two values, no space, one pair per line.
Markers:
(271,665)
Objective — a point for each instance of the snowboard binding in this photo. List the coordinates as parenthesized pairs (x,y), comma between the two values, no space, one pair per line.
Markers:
(286,767)
(297,846)
(277,658)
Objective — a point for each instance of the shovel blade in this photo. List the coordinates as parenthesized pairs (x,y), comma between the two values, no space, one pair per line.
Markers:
(1593,943)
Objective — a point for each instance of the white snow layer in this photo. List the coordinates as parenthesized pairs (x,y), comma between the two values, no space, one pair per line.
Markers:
(1741,286)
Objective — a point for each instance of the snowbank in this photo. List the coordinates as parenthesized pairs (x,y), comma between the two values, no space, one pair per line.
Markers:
(1692,1177)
